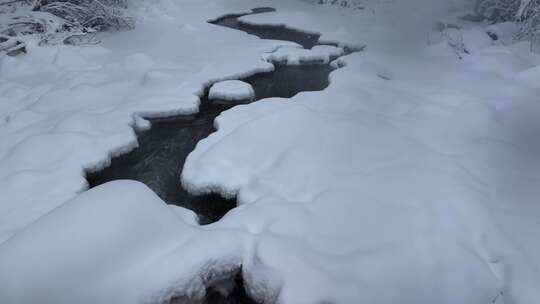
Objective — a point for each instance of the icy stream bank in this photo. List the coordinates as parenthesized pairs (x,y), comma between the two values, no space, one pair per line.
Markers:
(163,149)
(408,165)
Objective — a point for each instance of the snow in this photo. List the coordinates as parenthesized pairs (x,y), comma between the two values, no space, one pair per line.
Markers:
(231,90)
(506,32)
(412,179)
(402,227)
(283,19)
(295,55)
(118,236)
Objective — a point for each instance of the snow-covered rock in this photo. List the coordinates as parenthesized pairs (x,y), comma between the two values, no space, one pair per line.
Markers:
(117,243)
(231,90)
(293,55)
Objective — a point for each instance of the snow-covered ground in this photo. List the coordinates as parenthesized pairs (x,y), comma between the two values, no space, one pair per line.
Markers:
(414,178)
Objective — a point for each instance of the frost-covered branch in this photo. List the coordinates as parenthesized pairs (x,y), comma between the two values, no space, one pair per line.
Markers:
(92,15)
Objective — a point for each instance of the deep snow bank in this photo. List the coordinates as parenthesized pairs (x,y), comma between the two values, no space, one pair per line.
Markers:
(118,243)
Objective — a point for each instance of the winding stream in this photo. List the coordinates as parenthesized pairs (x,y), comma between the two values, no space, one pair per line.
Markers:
(160,157)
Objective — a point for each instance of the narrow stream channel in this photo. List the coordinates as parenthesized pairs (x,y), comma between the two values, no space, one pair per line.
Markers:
(159,159)
(307,40)
(162,151)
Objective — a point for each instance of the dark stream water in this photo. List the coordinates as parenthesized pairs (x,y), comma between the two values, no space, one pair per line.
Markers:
(160,157)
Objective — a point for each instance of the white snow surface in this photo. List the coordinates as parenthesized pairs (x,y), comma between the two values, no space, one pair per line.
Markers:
(231,90)
(414,178)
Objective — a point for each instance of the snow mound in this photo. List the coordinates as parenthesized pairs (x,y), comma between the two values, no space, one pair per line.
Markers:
(293,55)
(117,243)
(231,90)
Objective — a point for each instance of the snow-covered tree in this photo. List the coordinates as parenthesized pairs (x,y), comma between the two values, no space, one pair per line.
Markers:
(525,12)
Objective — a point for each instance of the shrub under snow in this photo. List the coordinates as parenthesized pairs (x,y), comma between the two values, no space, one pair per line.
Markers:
(59,21)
